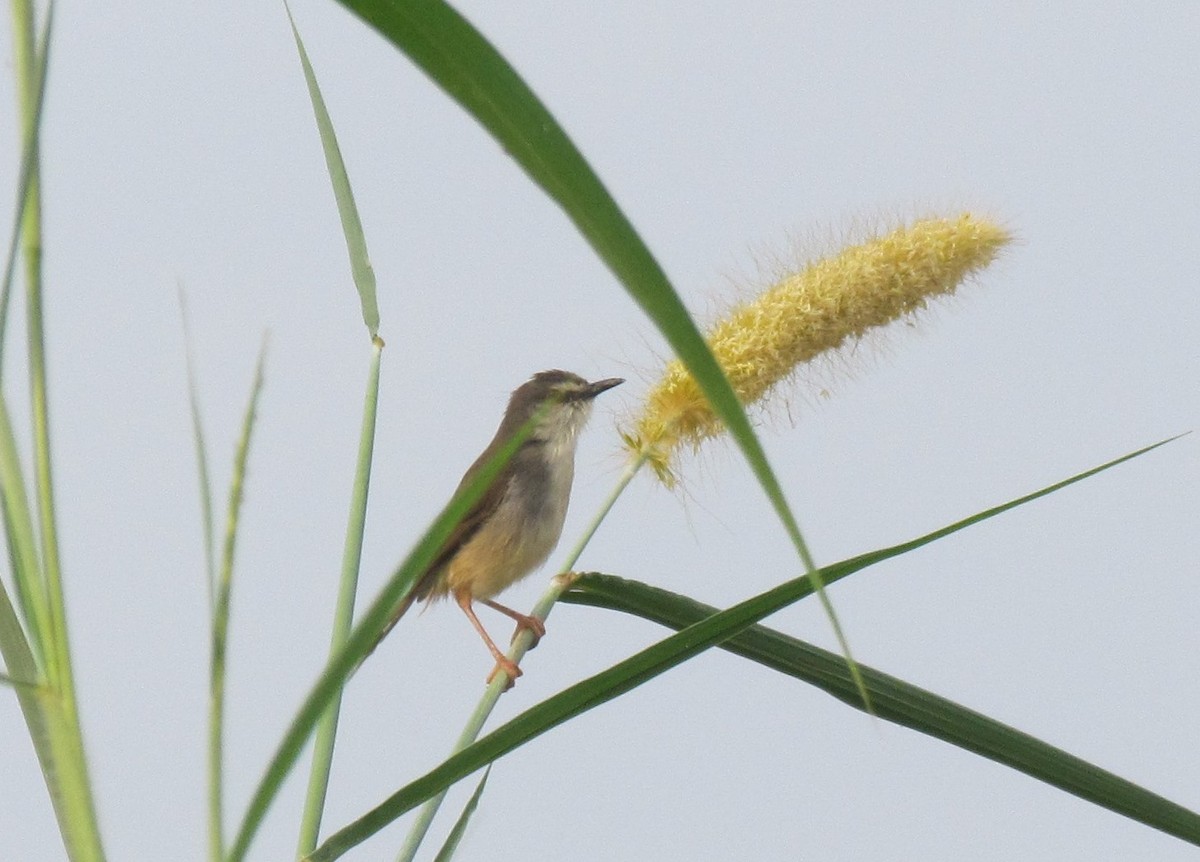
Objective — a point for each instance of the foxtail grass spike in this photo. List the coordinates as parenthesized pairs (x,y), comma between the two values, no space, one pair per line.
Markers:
(825,306)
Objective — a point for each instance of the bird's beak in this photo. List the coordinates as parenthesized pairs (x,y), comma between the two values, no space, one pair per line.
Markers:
(599,386)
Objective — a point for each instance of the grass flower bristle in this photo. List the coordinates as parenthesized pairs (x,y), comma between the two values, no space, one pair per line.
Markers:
(821,308)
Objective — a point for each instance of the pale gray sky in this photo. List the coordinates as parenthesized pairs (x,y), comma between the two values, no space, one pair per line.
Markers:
(179,149)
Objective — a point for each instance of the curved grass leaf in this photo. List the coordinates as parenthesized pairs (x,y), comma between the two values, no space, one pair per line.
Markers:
(55,732)
(220,619)
(22,546)
(364,280)
(352,229)
(460,825)
(464,64)
(27,176)
(206,506)
(902,703)
(637,669)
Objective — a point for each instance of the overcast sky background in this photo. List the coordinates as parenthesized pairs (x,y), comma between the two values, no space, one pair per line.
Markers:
(180,150)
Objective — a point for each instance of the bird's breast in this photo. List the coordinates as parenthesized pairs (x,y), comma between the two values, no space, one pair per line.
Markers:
(522,531)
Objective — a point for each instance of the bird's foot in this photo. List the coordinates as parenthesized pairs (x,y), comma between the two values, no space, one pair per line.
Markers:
(533,625)
(510,670)
(524,621)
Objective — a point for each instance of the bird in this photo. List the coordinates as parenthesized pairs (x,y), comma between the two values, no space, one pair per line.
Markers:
(512,529)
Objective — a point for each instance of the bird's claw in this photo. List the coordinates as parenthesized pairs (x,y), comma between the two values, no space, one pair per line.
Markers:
(510,670)
(533,625)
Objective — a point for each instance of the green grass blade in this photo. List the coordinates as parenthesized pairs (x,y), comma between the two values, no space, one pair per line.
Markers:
(573,701)
(356,243)
(22,543)
(24,676)
(364,280)
(903,703)
(58,655)
(593,585)
(318,779)
(464,64)
(5,679)
(360,642)
(32,64)
(220,619)
(637,669)
(27,186)
(460,826)
(18,657)
(206,506)
(60,749)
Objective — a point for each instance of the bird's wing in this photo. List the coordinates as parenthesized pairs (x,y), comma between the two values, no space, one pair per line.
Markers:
(466,529)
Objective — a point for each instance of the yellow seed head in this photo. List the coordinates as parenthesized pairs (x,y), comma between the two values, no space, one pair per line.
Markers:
(835,300)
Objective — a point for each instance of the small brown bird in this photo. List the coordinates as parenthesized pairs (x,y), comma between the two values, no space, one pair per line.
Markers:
(513,528)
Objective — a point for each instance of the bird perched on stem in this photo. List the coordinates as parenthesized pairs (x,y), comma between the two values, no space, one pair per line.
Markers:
(515,525)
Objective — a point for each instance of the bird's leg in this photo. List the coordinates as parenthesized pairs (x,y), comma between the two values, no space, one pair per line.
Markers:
(503,662)
(535,626)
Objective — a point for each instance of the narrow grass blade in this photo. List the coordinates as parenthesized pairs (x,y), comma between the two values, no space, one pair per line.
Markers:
(638,669)
(57,736)
(465,65)
(364,280)
(322,762)
(460,825)
(361,640)
(573,701)
(32,63)
(14,649)
(206,506)
(28,199)
(589,589)
(33,75)
(22,543)
(356,243)
(902,703)
(24,677)
(220,619)
(5,679)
